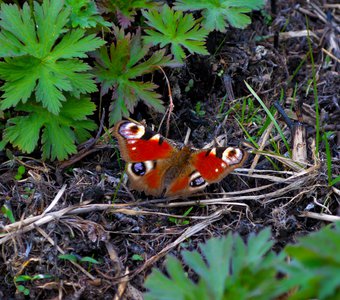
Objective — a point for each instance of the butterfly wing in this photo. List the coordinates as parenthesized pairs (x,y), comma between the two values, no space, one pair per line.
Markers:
(216,163)
(148,156)
(155,165)
(205,167)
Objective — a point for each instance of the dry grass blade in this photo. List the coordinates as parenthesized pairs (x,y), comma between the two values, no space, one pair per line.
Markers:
(323,217)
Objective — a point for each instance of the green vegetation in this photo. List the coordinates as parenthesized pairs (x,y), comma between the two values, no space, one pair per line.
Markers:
(175,28)
(26,278)
(229,268)
(217,14)
(47,77)
(44,75)
(75,258)
(117,68)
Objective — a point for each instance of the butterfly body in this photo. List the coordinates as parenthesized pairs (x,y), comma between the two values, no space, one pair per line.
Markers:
(156,166)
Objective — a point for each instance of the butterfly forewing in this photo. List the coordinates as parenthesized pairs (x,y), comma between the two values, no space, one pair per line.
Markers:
(138,144)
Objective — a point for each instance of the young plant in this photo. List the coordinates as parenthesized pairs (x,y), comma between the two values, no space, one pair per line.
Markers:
(315,265)
(43,77)
(75,258)
(119,67)
(176,29)
(84,14)
(227,268)
(26,278)
(8,213)
(21,171)
(218,13)
(181,221)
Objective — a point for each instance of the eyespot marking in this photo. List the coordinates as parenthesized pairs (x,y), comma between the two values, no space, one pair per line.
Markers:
(140,168)
(129,130)
(197,181)
(232,156)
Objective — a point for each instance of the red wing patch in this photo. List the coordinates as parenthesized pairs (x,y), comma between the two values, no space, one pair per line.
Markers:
(138,144)
(210,166)
(178,185)
(142,150)
(153,179)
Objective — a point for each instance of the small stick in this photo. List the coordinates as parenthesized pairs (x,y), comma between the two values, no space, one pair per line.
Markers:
(171,104)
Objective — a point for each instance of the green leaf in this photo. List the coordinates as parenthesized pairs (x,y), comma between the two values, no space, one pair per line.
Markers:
(22,278)
(216,13)
(23,289)
(8,213)
(217,253)
(84,14)
(41,276)
(89,259)
(162,287)
(137,257)
(176,29)
(71,126)
(41,56)
(118,69)
(316,255)
(227,268)
(70,257)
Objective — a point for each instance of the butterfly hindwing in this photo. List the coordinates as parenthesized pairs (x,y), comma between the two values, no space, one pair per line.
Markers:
(216,163)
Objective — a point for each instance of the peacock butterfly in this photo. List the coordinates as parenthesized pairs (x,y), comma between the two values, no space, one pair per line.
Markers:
(157,166)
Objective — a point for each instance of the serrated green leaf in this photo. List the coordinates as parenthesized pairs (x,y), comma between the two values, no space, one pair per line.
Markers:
(176,29)
(162,287)
(219,277)
(70,126)
(75,44)
(65,145)
(19,135)
(317,256)
(258,246)
(85,14)
(218,254)
(44,45)
(216,12)
(118,69)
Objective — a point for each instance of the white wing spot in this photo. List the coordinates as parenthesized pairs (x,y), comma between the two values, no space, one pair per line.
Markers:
(133,148)
(156,137)
(216,170)
(223,165)
(131,141)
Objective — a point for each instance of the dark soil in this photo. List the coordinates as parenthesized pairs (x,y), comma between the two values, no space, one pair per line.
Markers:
(123,235)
